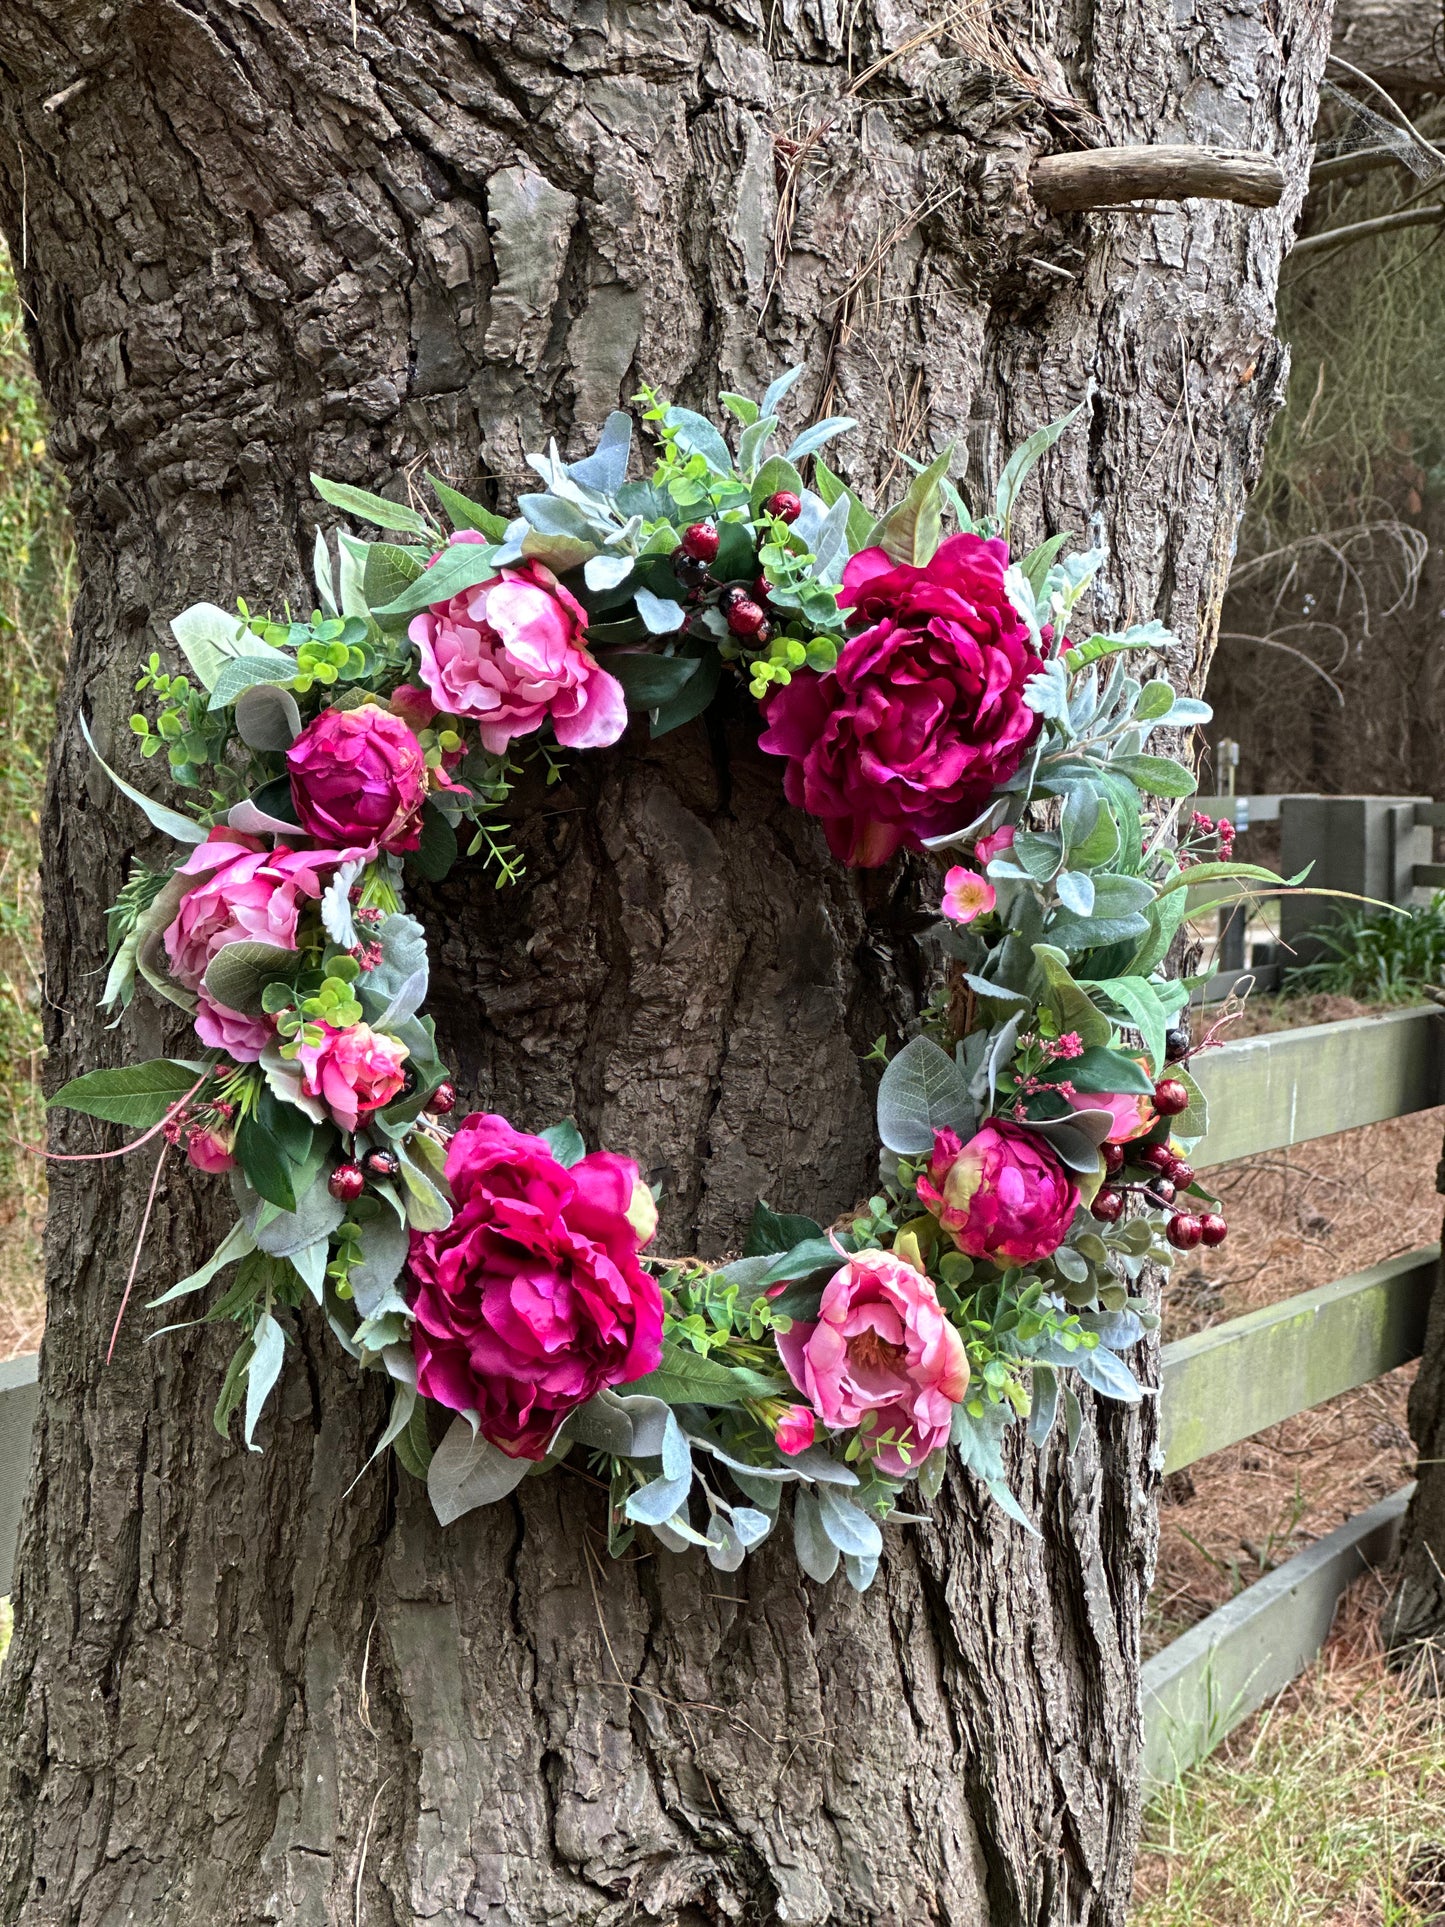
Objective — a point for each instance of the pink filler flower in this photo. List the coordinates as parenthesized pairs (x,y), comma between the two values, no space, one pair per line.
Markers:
(881,1344)
(512,653)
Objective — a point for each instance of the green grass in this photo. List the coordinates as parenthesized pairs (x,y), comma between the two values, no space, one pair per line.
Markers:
(1329,1808)
(37,570)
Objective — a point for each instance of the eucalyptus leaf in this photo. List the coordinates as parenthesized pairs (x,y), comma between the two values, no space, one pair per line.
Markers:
(816,1552)
(268,1354)
(468,1471)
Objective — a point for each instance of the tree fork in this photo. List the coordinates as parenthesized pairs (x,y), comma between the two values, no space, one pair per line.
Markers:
(261,242)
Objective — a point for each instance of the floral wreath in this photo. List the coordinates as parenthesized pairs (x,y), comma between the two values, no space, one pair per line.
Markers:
(923,694)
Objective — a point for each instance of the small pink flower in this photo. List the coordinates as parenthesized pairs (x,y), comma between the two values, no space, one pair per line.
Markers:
(1004,1195)
(1070,1045)
(967,895)
(797,1429)
(210,1149)
(512,653)
(883,1344)
(353,1072)
(988,847)
(359,776)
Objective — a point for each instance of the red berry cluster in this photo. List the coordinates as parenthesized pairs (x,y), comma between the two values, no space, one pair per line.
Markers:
(1171,1175)
(348,1181)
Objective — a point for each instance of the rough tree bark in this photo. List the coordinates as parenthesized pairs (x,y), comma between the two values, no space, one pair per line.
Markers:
(257,239)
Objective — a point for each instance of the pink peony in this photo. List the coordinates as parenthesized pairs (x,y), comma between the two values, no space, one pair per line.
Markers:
(1004,1195)
(533,1299)
(967,895)
(359,776)
(922,716)
(988,847)
(882,1344)
(353,1072)
(211,1149)
(243,891)
(797,1428)
(512,653)
(1132,1111)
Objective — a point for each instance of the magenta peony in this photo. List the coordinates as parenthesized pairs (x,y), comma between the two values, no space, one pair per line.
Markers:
(923,714)
(797,1428)
(359,776)
(353,1072)
(883,1345)
(242,890)
(533,1299)
(1004,1195)
(512,654)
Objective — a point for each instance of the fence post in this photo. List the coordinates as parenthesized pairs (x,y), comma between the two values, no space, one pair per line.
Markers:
(1366,845)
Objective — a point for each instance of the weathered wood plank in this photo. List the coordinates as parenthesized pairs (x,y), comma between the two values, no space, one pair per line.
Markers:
(18,1403)
(1292,1085)
(1428,876)
(1200,1687)
(1227,1383)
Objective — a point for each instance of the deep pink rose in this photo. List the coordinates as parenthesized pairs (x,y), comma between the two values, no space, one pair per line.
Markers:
(242,891)
(512,653)
(882,1344)
(353,1072)
(359,776)
(1004,1195)
(533,1299)
(922,716)
(211,1149)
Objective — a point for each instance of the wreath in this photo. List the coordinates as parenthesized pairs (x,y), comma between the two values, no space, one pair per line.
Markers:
(923,694)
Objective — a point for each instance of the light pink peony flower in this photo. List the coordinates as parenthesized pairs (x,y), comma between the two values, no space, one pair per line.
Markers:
(359,776)
(797,1429)
(988,847)
(1004,1195)
(532,1299)
(353,1072)
(242,891)
(881,1344)
(512,653)
(967,895)
(1133,1113)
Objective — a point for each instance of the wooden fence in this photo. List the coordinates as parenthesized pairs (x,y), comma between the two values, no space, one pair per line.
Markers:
(1220,1386)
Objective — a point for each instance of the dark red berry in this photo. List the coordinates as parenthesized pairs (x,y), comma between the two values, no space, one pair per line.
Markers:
(1108,1207)
(382,1164)
(1177,1042)
(1113,1158)
(1156,1157)
(1170,1097)
(1212,1229)
(785,505)
(1163,1189)
(761,590)
(700,541)
(1182,1173)
(1184,1231)
(443,1098)
(731,596)
(346,1183)
(745,618)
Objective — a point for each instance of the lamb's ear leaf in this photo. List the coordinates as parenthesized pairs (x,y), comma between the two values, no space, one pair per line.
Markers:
(922,1091)
(466,1471)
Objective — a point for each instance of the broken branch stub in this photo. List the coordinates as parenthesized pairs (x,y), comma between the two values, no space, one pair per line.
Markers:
(1114,176)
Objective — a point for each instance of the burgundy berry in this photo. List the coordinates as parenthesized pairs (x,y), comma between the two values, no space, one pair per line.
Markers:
(1163,1189)
(1182,1173)
(1212,1229)
(762,588)
(382,1164)
(701,541)
(1177,1042)
(731,596)
(443,1098)
(1170,1097)
(1108,1206)
(1156,1157)
(1113,1158)
(745,618)
(346,1183)
(785,505)
(1184,1231)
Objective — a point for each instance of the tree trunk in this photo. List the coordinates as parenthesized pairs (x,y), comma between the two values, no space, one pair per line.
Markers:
(258,240)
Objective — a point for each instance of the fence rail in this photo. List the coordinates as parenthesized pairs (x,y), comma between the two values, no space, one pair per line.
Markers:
(1221,1385)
